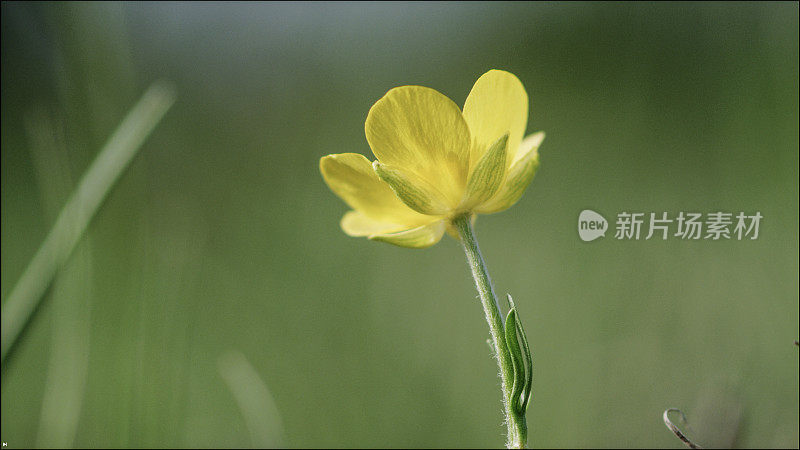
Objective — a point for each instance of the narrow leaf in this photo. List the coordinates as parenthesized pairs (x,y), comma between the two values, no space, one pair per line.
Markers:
(528,359)
(516,359)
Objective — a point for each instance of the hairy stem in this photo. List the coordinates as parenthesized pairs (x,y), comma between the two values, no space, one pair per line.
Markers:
(517,428)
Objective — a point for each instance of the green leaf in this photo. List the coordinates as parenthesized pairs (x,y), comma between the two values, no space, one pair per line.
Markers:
(516,359)
(526,390)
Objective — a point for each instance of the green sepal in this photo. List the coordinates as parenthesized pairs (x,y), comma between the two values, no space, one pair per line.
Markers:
(420,237)
(519,176)
(488,174)
(414,191)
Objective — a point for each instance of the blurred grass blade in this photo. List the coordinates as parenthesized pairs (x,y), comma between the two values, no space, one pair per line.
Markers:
(254,399)
(81,206)
(70,299)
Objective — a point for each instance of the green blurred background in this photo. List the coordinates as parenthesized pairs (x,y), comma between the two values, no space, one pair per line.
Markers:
(215,302)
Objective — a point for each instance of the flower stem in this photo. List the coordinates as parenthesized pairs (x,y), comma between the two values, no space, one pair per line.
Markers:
(517,427)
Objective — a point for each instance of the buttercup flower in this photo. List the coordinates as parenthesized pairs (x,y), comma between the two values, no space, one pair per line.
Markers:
(436,162)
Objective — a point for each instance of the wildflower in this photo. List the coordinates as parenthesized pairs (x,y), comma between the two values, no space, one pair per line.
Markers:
(435,162)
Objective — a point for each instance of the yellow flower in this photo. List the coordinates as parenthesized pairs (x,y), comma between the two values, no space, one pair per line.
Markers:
(435,162)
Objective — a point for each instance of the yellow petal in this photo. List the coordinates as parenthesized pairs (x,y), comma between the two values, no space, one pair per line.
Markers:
(355,223)
(487,176)
(519,177)
(497,104)
(420,237)
(421,130)
(351,177)
(413,190)
(531,143)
